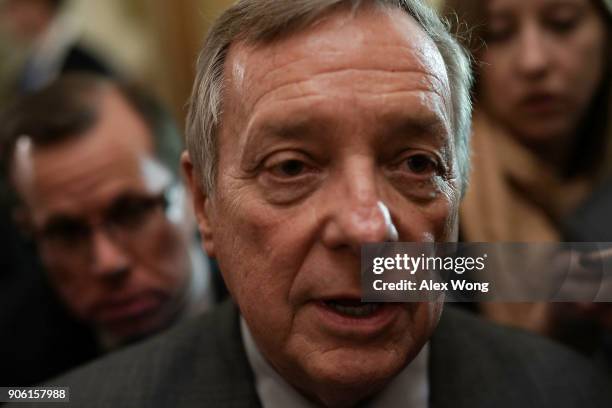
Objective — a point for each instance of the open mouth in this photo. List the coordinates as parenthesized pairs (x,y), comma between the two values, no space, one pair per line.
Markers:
(355,320)
(353,308)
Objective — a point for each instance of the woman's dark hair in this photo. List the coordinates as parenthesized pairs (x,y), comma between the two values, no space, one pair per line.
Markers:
(468,19)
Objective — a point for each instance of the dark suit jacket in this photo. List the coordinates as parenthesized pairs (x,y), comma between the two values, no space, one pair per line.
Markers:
(38,338)
(203,364)
(591,222)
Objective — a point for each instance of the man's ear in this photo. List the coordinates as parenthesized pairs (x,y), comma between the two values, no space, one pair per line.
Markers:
(201,203)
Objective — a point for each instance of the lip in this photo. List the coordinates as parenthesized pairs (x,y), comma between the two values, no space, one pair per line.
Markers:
(543,103)
(357,328)
(128,308)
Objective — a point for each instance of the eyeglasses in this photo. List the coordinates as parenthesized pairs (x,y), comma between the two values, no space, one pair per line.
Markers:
(126,220)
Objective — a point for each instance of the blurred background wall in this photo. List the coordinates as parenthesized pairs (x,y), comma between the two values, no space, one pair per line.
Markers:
(153,42)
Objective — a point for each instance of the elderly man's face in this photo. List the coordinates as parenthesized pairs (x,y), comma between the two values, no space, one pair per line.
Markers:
(318,129)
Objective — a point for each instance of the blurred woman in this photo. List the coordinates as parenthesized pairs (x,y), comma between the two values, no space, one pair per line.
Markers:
(542,134)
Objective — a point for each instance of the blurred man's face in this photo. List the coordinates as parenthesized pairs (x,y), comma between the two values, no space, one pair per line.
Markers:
(318,128)
(97,209)
(547,58)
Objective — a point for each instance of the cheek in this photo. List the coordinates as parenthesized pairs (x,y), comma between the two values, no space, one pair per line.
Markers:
(249,239)
(448,214)
(495,65)
(435,221)
(164,256)
(69,276)
(424,317)
(442,219)
(584,61)
(492,76)
(260,250)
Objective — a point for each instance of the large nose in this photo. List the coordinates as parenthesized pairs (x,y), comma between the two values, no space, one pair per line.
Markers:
(109,259)
(356,209)
(533,55)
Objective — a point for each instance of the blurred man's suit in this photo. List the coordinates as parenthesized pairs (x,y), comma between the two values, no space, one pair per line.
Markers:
(31,316)
(38,337)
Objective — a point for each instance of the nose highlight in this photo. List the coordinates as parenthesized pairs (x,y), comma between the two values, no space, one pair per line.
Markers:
(109,260)
(359,224)
(533,53)
(392,234)
(367,224)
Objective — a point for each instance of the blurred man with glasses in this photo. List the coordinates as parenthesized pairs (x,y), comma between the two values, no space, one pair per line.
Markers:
(94,165)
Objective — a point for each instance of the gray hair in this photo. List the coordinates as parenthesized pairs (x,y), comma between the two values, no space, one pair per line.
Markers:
(261,21)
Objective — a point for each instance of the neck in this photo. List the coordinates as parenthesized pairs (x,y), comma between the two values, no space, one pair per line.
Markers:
(556,151)
(552,149)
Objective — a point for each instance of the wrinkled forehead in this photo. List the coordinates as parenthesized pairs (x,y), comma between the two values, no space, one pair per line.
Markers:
(346,39)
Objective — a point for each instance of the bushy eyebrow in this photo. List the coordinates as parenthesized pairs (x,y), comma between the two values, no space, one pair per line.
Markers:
(308,127)
(291,128)
(430,123)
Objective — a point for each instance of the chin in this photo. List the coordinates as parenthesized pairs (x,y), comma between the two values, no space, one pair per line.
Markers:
(345,376)
(138,329)
(544,133)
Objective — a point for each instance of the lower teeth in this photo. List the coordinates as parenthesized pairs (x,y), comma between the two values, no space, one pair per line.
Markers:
(355,311)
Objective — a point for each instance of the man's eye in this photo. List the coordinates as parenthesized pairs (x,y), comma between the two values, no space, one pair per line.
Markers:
(66,231)
(563,25)
(421,164)
(499,32)
(289,168)
(288,176)
(493,36)
(132,212)
(563,19)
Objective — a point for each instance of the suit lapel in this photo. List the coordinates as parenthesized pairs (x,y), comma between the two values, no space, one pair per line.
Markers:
(234,380)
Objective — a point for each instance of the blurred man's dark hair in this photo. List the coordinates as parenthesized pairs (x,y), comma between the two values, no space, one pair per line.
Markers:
(68,107)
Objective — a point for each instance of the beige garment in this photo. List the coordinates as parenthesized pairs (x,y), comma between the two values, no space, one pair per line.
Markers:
(514,197)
